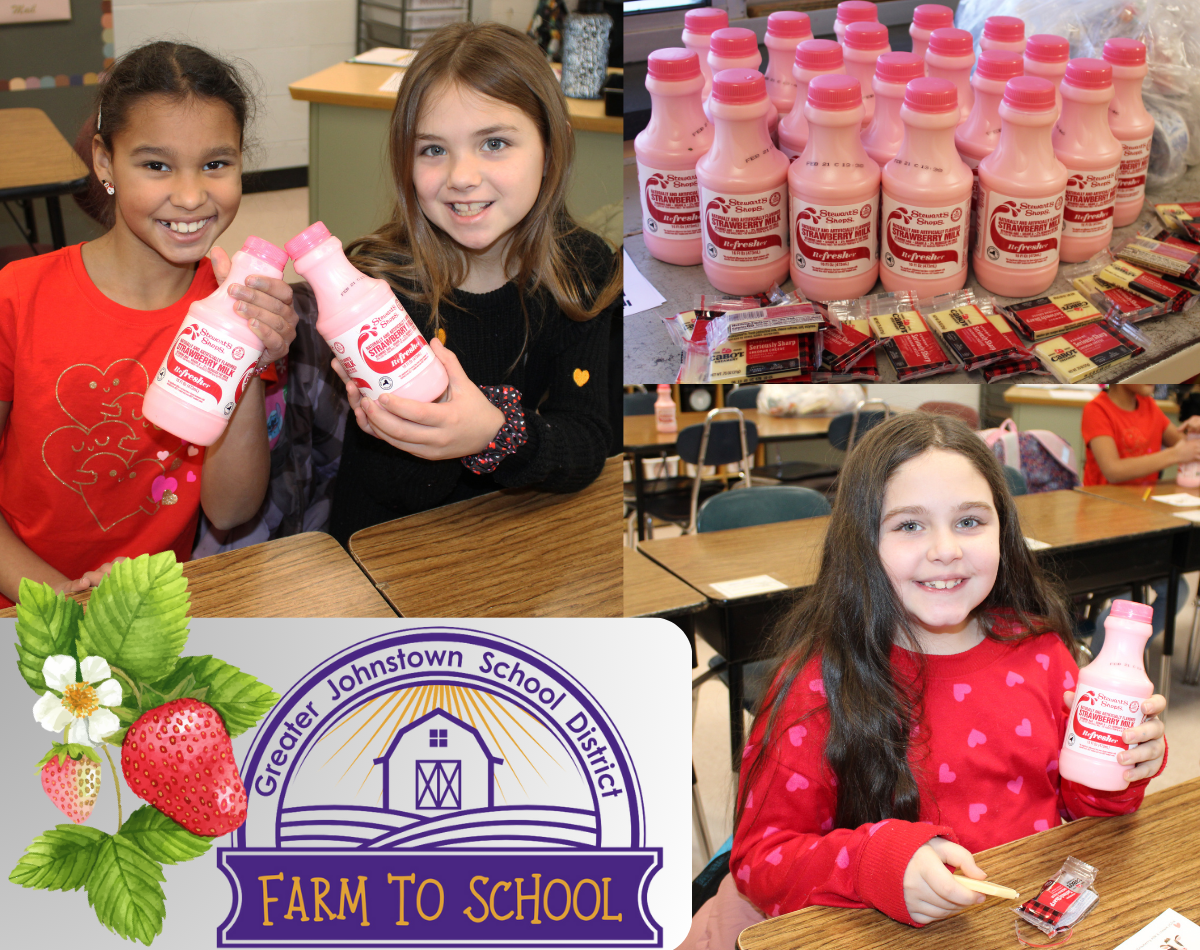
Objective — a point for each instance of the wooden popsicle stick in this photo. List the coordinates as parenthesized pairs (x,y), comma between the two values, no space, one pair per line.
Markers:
(986,887)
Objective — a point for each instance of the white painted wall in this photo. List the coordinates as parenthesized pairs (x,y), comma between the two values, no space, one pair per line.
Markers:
(912,396)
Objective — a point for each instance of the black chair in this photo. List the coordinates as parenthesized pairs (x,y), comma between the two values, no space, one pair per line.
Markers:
(705,884)
(760,504)
(1016,481)
(744,397)
(848,427)
(639,404)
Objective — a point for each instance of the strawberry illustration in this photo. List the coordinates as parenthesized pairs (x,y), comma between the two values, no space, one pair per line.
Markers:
(178,757)
(71,777)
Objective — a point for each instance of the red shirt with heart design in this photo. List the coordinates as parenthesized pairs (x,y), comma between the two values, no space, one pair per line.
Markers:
(84,478)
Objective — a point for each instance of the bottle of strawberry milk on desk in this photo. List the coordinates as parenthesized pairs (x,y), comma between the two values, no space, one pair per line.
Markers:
(928,17)
(813,58)
(362,321)
(737,48)
(786,30)
(865,42)
(853,11)
(1003,32)
(1046,57)
(893,71)
(951,55)
(667,151)
(698,28)
(1131,124)
(211,359)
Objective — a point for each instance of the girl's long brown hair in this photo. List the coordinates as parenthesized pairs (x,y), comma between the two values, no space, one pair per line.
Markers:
(852,615)
(421,260)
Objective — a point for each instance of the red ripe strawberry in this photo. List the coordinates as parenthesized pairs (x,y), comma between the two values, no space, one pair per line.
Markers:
(178,757)
(72,780)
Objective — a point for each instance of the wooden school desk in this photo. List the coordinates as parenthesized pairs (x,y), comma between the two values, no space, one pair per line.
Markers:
(1146,862)
(512,553)
(305,575)
(37,162)
(652,592)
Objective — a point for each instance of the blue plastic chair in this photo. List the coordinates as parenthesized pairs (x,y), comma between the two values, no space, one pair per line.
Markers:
(744,397)
(1016,481)
(639,404)
(762,504)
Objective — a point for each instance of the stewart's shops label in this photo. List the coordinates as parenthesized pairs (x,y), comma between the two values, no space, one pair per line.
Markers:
(1089,202)
(909,344)
(1047,316)
(973,337)
(207,369)
(1019,233)
(1081,354)
(924,242)
(384,351)
(834,240)
(670,202)
(1131,178)
(1098,720)
(744,230)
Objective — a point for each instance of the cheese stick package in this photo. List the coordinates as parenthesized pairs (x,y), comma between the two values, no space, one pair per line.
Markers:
(843,346)
(1063,901)
(743,361)
(1118,299)
(970,330)
(1015,367)
(679,325)
(1182,219)
(1045,317)
(750,324)
(864,370)
(1179,265)
(911,347)
(1078,355)
(1146,284)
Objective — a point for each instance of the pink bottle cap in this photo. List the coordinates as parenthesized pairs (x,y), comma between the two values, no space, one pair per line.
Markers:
(819,55)
(1129,610)
(1029,93)
(928,94)
(866,34)
(733,41)
(739,86)
(1047,48)
(789,23)
(834,91)
(266,251)
(1089,73)
(951,42)
(932,16)
(1000,64)
(705,20)
(899,67)
(306,240)
(1004,29)
(854,11)
(1122,52)
(673,64)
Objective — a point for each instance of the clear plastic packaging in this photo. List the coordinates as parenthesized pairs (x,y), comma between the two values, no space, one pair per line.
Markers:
(1045,317)
(728,322)
(897,323)
(1181,219)
(845,345)
(1078,355)
(1063,901)
(1110,297)
(1178,264)
(971,330)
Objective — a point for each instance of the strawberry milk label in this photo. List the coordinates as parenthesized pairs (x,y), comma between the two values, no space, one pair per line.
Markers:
(670,202)
(383,351)
(1131,178)
(1089,202)
(1019,233)
(834,240)
(924,242)
(1098,720)
(744,229)
(207,369)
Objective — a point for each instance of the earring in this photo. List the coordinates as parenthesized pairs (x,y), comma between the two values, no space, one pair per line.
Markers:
(108,186)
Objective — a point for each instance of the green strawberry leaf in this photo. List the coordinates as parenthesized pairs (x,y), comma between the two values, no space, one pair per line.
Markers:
(47,625)
(61,859)
(125,890)
(137,617)
(118,737)
(239,699)
(70,750)
(162,838)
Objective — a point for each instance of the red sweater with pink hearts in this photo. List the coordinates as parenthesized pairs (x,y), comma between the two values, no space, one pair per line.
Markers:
(985,759)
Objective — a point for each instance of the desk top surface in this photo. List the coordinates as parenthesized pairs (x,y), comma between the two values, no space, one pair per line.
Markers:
(652,592)
(1074,397)
(1134,495)
(35,153)
(1146,861)
(641,434)
(512,553)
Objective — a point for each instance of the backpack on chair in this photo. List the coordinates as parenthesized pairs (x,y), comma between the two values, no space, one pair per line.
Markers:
(1046,460)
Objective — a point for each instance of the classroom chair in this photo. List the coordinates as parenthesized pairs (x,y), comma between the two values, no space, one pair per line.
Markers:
(956,409)
(639,404)
(760,504)
(743,397)
(705,884)
(1016,481)
(847,427)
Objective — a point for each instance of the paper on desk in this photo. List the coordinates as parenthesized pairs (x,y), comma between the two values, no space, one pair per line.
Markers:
(1193,516)
(392,83)
(1169,929)
(747,586)
(385,56)
(639,293)
(1180,500)
(1035,545)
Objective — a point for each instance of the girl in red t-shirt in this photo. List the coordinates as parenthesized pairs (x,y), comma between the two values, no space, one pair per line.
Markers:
(1129,440)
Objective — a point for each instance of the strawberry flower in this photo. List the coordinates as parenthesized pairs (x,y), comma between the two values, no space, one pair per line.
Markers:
(81,704)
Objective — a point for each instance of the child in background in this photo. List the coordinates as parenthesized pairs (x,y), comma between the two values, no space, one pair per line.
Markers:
(84,478)
(514,298)
(922,698)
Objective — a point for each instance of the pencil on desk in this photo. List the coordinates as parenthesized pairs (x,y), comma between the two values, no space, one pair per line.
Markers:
(1146,493)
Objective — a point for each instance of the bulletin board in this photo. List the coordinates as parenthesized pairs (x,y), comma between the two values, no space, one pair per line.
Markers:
(53,55)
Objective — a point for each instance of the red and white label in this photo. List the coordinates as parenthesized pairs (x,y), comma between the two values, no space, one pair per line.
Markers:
(924,242)
(1131,179)
(383,351)
(744,230)
(207,368)
(1098,720)
(670,203)
(1089,202)
(1019,233)
(834,240)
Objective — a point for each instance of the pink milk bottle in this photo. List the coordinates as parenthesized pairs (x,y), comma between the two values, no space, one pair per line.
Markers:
(865,41)
(1131,124)
(834,188)
(1046,57)
(928,17)
(893,71)
(926,196)
(698,28)
(813,58)
(664,410)
(853,11)
(667,151)
(1021,194)
(1003,32)
(737,48)
(1188,474)
(1108,701)
(743,190)
(211,359)
(1083,142)
(362,321)
(786,30)
(951,55)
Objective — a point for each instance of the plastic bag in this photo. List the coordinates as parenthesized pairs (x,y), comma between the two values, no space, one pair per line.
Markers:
(801,400)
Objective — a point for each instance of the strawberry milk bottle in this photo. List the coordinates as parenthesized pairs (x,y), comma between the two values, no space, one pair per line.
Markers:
(667,151)
(1188,473)
(1131,124)
(208,366)
(362,321)
(737,48)
(1108,701)
(664,410)
(865,41)
(834,188)
(813,58)
(698,27)
(1083,142)
(893,71)
(1046,57)
(853,11)
(926,196)
(743,190)
(928,17)
(1003,32)
(786,30)
(1021,188)
(951,55)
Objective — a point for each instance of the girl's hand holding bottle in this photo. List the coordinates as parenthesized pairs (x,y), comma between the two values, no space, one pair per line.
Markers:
(1147,758)
(266,305)
(930,891)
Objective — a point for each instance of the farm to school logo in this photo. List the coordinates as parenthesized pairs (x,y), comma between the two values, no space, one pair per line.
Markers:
(440,787)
